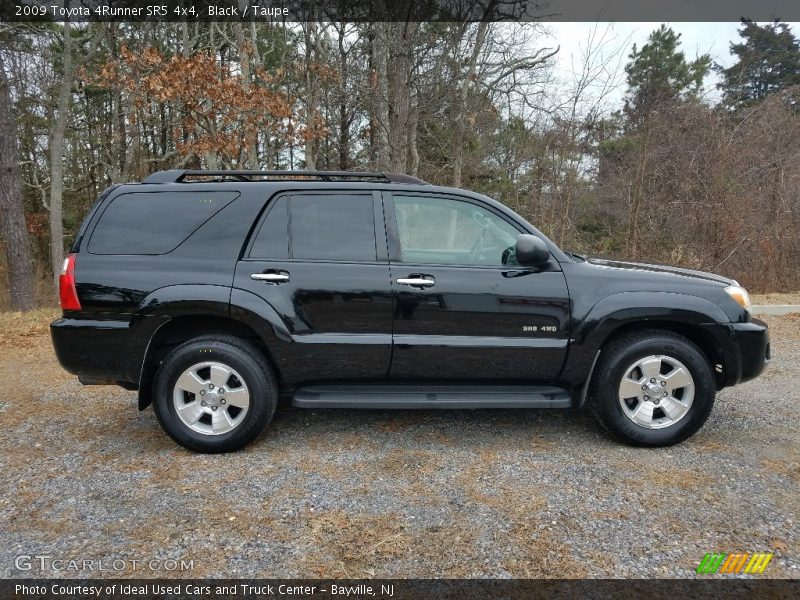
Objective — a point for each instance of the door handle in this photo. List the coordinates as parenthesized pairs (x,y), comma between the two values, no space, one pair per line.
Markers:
(417,280)
(270,277)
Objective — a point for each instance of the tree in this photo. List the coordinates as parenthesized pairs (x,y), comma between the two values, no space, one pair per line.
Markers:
(658,74)
(768,61)
(60,120)
(12,216)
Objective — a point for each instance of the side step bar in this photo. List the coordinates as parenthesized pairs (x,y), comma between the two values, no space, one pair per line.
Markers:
(436,396)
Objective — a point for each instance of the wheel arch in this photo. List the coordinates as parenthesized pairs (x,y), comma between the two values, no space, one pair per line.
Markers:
(697,335)
(627,312)
(186,327)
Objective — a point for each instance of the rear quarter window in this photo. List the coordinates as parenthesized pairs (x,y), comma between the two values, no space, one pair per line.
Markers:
(154,222)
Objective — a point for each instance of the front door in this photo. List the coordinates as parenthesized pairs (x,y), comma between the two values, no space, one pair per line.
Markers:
(463,309)
(316,260)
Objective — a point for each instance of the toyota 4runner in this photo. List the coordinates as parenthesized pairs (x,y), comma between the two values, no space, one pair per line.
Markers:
(214,292)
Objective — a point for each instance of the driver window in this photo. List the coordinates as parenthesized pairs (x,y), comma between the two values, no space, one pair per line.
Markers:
(451,232)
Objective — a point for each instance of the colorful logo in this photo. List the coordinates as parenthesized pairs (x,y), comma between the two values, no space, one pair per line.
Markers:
(742,562)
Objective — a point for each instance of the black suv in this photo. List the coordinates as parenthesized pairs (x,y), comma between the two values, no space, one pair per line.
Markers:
(213,292)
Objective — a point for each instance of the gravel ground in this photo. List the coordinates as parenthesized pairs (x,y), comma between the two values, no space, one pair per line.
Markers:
(381,494)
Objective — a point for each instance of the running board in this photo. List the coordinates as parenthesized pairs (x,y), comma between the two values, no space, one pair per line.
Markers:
(436,396)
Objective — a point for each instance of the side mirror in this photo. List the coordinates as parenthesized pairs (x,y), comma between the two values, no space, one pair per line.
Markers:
(531,250)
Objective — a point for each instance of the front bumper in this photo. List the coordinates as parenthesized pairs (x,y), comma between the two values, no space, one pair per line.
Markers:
(745,349)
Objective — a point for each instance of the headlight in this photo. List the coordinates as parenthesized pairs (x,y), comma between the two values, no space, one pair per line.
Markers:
(739,294)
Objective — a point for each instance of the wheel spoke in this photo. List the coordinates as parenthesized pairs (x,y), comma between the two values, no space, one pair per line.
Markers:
(651,367)
(629,388)
(219,375)
(678,378)
(673,408)
(221,421)
(191,412)
(239,397)
(190,382)
(643,413)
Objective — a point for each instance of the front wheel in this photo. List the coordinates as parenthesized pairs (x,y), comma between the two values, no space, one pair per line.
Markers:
(652,388)
(214,394)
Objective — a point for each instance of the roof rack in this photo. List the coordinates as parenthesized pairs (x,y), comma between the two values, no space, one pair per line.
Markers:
(180,175)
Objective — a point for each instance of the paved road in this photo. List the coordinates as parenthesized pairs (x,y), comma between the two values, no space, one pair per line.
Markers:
(775,309)
(358,494)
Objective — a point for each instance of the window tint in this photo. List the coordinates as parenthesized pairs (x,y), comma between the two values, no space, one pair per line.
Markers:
(333,227)
(451,232)
(153,222)
(272,240)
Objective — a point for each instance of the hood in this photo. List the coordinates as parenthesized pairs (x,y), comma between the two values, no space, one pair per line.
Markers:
(634,266)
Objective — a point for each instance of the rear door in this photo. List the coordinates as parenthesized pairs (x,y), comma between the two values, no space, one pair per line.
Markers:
(319,259)
(463,309)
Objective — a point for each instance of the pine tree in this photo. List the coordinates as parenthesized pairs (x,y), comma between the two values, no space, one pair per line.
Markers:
(658,74)
(768,60)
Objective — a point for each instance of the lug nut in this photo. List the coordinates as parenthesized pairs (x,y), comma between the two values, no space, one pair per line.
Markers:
(222,401)
(213,408)
(663,383)
(647,397)
(203,403)
(202,392)
(644,387)
(211,386)
(653,380)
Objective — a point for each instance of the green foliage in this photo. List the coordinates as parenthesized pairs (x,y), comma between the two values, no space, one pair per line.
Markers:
(659,73)
(768,61)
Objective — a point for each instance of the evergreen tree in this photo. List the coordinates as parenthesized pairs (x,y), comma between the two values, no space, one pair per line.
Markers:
(659,74)
(768,60)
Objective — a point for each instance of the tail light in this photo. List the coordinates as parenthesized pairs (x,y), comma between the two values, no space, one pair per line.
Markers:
(66,284)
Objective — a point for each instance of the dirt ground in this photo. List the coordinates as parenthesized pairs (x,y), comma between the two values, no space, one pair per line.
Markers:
(381,494)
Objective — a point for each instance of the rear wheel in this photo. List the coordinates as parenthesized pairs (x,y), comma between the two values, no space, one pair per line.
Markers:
(214,394)
(653,388)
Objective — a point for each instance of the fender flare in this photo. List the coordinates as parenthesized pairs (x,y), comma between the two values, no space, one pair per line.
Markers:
(164,305)
(592,330)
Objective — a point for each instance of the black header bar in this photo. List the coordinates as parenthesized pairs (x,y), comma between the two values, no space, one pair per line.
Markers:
(398,10)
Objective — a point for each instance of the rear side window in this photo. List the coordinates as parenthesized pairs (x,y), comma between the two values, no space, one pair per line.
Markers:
(319,227)
(154,222)
(333,227)
(272,240)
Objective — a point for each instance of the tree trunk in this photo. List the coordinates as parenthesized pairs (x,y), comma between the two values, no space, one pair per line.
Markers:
(638,196)
(413,146)
(398,78)
(344,118)
(380,105)
(12,216)
(312,95)
(57,160)
(250,134)
(461,113)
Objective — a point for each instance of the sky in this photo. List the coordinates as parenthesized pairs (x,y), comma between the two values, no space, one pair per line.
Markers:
(696,39)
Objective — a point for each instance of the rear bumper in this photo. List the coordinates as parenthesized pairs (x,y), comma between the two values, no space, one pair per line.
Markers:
(745,349)
(99,351)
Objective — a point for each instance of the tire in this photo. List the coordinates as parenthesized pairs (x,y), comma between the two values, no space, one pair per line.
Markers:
(652,388)
(213,419)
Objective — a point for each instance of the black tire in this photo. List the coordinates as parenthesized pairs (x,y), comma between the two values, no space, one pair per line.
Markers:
(247,362)
(625,350)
